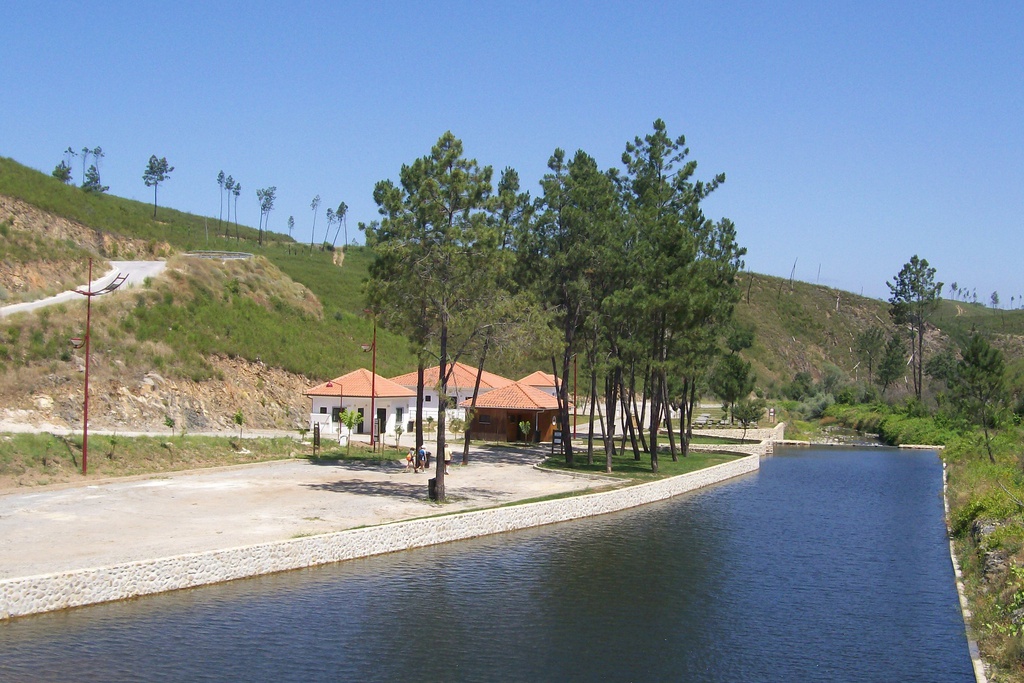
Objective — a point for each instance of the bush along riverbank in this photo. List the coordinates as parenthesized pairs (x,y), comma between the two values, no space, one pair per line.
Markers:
(986,518)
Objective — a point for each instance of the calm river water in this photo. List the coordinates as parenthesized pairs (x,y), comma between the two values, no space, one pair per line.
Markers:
(827,565)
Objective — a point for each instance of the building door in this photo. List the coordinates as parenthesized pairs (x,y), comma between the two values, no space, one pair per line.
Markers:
(382,421)
(359,428)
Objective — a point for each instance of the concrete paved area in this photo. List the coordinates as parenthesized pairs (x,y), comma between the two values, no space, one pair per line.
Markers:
(52,529)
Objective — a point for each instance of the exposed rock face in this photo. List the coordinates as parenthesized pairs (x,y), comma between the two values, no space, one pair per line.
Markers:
(268,398)
(123,395)
(52,276)
(23,216)
(995,561)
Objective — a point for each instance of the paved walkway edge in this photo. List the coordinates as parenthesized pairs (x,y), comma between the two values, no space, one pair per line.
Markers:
(972,644)
(62,590)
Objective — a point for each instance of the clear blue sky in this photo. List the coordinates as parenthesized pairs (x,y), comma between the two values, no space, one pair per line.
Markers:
(852,135)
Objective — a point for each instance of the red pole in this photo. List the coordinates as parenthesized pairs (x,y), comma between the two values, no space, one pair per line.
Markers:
(373,387)
(85,412)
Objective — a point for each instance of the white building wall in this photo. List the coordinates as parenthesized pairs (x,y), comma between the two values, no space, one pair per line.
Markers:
(324,406)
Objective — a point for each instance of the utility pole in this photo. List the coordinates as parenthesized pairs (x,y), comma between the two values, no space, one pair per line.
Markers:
(89,294)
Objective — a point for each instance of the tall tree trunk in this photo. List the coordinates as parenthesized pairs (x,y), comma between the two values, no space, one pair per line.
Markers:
(312,234)
(629,427)
(668,424)
(655,389)
(442,408)
(689,400)
(567,434)
(476,392)
(609,445)
(920,359)
(642,412)
(420,370)
(563,411)
(608,425)
(593,405)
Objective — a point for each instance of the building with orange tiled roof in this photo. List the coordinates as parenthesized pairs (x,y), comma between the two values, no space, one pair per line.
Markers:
(544,381)
(460,387)
(499,412)
(352,391)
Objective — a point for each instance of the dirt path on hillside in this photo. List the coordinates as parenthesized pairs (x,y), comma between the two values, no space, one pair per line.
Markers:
(136,271)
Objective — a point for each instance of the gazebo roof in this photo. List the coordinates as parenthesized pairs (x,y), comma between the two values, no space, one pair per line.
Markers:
(516,396)
(357,384)
(462,377)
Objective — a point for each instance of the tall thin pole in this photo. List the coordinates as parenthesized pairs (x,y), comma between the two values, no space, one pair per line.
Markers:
(373,387)
(85,412)
(88,293)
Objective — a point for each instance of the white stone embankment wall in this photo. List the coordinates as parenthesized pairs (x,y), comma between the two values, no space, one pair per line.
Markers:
(766,438)
(62,590)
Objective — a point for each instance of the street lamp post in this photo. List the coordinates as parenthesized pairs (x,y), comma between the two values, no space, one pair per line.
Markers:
(373,382)
(89,294)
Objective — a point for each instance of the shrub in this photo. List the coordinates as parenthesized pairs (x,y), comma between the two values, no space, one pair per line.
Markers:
(961,520)
(815,406)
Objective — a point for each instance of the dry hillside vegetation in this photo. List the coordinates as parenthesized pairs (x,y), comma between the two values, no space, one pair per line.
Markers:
(801,327)
(42,254)
(137,384)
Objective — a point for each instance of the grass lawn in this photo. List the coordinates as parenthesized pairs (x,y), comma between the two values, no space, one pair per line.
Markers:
(697,438)
(360,452)
(41,459)
(625,466)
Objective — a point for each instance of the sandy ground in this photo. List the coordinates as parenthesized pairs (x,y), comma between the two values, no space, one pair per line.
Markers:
(52,529)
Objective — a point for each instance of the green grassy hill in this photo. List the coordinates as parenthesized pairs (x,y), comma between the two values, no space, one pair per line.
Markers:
(302,311)
(246,309)
(800,327)
(183,231)
(804,327)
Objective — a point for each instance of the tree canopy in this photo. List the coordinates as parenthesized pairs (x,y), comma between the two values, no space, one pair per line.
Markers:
(637,283)
(915,295)
(978,385)
(157,171)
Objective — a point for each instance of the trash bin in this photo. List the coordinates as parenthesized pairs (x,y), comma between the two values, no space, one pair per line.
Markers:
(432,488)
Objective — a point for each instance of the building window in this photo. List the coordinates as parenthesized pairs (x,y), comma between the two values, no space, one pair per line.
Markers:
(485,419)
(426,399)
